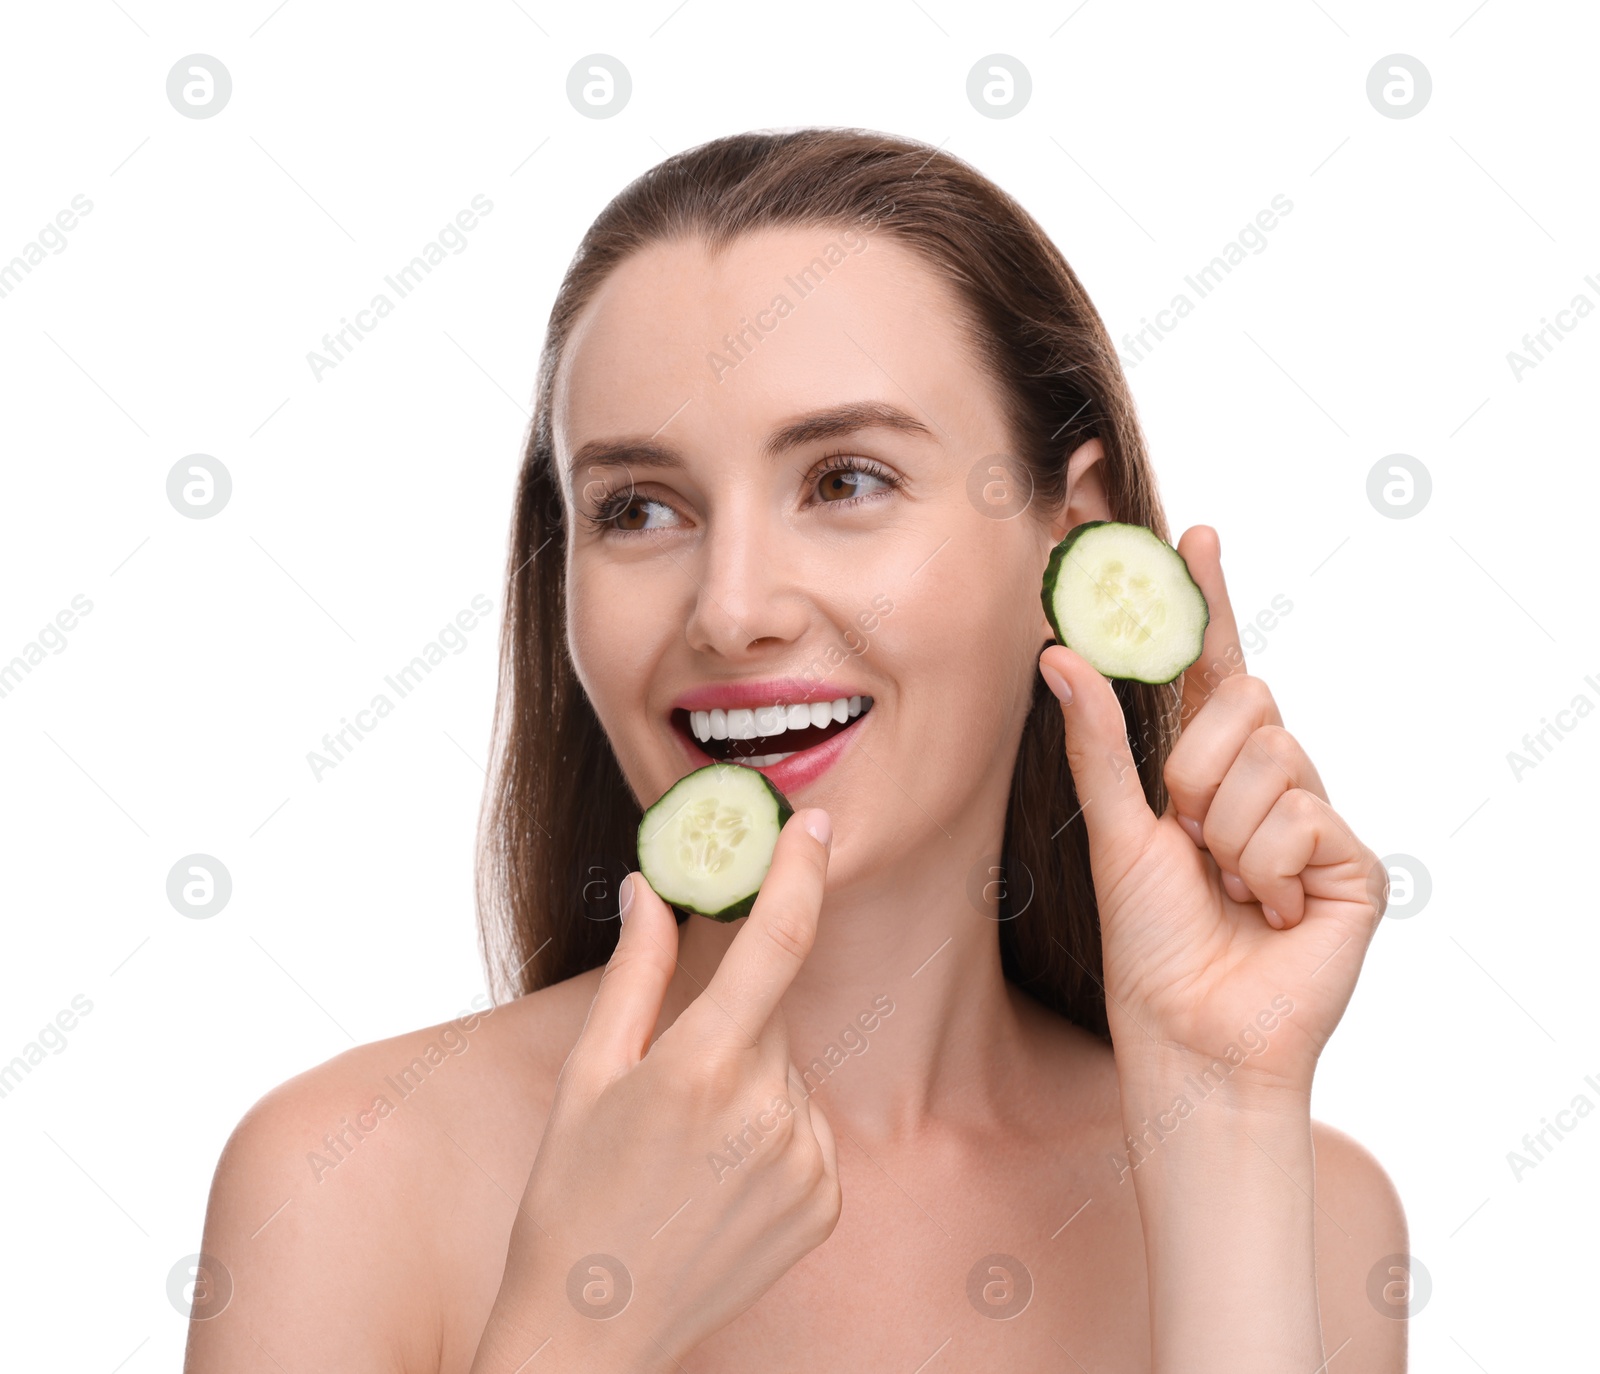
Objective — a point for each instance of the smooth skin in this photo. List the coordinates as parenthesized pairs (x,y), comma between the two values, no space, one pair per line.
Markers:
(968,1122)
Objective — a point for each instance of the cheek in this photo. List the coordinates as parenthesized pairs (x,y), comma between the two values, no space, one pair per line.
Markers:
(609,635)
(963,635)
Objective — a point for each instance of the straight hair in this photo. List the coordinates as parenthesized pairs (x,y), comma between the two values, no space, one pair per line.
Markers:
(558,825)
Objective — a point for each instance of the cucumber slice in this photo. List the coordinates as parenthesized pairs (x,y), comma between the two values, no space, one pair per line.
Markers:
(1123,598)
(707,843)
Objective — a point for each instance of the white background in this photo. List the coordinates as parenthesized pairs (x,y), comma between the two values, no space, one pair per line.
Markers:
(369,507)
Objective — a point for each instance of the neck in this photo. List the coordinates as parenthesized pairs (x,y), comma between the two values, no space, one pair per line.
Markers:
(901,1013)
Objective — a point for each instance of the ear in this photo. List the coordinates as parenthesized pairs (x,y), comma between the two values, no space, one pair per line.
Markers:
(1085,500)
(1086,495)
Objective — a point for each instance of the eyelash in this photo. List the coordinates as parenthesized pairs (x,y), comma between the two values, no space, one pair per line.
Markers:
(611,503)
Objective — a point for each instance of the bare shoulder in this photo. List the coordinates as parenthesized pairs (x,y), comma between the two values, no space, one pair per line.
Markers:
(353,1203)
(1363,1279)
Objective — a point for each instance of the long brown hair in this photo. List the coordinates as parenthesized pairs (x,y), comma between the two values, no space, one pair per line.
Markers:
(559,820)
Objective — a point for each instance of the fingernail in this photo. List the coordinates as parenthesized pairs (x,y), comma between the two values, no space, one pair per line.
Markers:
(1191,828)
(820,827)
(1273,919)
(624,898)
(1056,683)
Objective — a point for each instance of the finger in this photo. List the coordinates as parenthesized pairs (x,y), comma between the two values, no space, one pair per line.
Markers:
(1237,888)
(1208,748)
(633,984)
(772,1045)
(1299,849)
(1270,764)
(1220,654)
(812,1116)
(777,934)
(823,1131)
(1110,791)
(799,1091)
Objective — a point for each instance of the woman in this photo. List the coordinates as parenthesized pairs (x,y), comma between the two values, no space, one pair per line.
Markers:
(1010,1066)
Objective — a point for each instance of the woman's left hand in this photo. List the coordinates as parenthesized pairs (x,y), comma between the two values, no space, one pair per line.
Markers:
(1249,893)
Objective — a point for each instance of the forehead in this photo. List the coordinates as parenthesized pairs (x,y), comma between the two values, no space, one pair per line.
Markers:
(714,349)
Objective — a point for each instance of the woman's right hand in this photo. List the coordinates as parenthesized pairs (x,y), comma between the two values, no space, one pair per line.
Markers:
(642,1231)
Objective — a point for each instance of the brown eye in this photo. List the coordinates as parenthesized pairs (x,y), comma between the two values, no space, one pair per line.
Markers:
(849,481)
(838,485)
(623,513)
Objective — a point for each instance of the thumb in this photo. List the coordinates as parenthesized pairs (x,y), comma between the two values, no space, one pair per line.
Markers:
(634,982)
(1118,818)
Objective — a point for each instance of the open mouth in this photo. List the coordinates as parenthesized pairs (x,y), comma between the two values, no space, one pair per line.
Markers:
(766,735)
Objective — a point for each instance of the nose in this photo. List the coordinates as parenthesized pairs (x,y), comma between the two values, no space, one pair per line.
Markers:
(745,594)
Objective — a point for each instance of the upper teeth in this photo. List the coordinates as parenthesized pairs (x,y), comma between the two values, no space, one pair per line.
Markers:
(771,720)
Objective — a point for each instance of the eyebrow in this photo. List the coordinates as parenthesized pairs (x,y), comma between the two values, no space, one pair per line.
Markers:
(834,422)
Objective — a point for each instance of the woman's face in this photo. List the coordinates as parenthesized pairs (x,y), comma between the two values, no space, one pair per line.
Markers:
(776,464)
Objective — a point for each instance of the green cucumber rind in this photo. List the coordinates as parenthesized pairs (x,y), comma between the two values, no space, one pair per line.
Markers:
(744,905)
(1052,571)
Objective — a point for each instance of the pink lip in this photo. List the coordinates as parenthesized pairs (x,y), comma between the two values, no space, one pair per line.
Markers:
(798,770)
(770,691)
